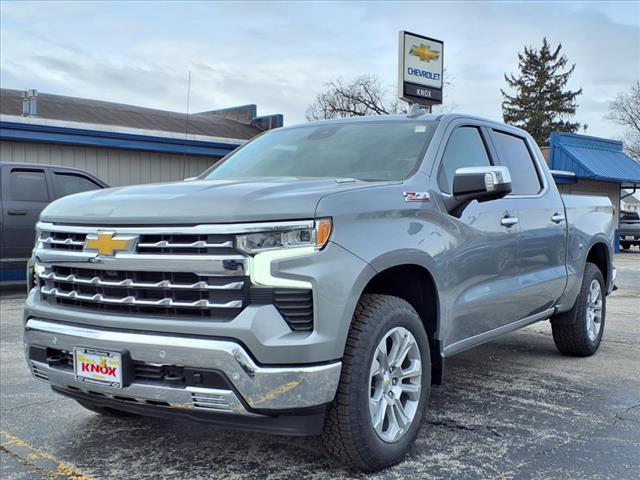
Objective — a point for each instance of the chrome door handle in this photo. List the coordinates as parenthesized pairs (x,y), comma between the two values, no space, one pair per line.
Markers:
(509,221)
(557,218)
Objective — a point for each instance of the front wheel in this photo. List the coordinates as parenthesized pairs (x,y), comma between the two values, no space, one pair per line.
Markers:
(579,331)
(625,245)
(384,385)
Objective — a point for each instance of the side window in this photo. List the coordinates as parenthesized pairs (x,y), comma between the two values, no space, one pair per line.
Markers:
(465,148)
(68,183)
(28,185)
(515,155)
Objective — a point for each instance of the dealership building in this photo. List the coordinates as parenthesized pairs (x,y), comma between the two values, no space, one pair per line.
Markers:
(121,144)
(592,166)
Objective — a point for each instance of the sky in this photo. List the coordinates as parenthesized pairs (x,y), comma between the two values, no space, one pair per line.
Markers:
(280,55)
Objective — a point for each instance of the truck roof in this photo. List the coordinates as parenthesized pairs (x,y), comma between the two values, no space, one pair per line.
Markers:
(408,117)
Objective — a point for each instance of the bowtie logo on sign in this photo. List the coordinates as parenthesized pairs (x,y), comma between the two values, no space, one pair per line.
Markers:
(424,52)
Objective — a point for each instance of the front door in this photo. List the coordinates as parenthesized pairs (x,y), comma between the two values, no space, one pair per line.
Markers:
(482,261)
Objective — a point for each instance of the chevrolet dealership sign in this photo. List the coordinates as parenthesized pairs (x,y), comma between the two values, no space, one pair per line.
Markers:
(420,69)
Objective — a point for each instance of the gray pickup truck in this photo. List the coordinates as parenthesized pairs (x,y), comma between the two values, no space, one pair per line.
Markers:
(315,280)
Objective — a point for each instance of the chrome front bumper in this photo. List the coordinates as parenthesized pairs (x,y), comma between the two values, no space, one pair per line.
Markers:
(255,387)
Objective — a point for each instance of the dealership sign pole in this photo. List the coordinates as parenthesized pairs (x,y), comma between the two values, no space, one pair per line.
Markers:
(420,69)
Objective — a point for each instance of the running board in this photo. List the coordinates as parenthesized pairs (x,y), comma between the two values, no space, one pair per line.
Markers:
(476,340)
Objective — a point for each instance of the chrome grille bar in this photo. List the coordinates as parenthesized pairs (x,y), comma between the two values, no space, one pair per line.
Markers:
(131,300)
(198,244)
(57,241)
(215,265)
(132,284)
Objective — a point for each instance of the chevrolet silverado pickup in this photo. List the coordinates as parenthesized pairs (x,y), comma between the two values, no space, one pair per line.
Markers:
(315,280)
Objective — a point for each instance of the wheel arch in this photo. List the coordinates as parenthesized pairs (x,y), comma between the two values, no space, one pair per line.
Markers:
(410,276)
(600,255)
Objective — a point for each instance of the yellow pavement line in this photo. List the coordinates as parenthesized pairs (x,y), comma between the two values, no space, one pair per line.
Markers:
(51,466)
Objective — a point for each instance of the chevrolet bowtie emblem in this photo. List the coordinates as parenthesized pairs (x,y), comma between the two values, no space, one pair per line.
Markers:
(105,243)
(424,52)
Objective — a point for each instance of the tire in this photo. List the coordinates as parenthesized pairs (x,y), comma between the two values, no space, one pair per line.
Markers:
(349,433)
(625,245)
(573,333)
(105,411)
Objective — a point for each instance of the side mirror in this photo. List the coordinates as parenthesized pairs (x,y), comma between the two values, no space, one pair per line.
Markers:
(478,183)
(481,183)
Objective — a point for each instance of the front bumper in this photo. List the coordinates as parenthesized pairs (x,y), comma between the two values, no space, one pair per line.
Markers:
(254,390)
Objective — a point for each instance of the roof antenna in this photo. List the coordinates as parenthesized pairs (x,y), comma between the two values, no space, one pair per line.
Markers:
(186,129)
(415,111)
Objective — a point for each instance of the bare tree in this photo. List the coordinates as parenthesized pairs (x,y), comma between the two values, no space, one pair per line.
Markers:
(365,95)
(625,111)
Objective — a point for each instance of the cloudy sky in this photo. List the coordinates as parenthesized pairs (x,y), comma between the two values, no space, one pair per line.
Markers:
(279,55)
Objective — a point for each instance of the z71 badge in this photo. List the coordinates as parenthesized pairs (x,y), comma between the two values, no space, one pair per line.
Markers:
(417,197)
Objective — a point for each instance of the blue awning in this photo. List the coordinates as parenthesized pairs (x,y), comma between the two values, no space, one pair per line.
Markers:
(593,158)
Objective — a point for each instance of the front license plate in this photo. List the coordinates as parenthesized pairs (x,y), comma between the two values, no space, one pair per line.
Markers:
(98,366)
(628,237)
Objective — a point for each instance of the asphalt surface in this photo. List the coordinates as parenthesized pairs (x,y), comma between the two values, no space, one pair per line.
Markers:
(511,409)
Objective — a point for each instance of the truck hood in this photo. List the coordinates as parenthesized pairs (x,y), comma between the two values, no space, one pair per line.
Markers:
(199,201)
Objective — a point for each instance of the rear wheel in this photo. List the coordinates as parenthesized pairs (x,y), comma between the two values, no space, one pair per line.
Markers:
(578,332)
(384,385)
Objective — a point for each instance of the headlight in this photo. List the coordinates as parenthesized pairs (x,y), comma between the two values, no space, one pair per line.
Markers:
(316,235)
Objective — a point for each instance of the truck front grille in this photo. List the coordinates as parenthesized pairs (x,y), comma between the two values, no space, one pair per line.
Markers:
(174,271)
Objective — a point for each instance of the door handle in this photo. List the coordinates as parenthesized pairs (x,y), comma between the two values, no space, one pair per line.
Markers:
(557,218)
(509,221)
(17,212)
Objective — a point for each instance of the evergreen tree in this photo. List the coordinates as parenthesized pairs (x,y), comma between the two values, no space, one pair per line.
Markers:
(541,105)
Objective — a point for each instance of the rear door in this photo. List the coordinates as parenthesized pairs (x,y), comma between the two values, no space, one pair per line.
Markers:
(481,262)
(25,192)
(542,238)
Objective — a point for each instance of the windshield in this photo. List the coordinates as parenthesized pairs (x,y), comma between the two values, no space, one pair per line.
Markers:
(367,151)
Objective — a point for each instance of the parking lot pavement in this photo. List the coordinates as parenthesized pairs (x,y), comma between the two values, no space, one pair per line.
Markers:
(513,408)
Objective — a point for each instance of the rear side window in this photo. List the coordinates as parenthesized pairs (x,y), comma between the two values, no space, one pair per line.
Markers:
(515,155)
(465,148)
(28,185)
(68,183)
